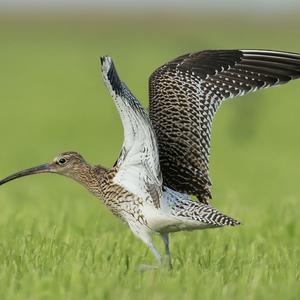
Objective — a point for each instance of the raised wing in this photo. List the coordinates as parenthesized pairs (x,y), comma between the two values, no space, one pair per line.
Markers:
(138,164)
(186,92)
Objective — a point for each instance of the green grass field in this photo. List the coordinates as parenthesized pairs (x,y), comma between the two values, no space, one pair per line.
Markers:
(58,242)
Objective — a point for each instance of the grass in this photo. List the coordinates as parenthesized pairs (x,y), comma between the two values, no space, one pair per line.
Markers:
(58,242)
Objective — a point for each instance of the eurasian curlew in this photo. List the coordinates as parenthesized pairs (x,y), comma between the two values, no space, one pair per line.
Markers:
(164,158)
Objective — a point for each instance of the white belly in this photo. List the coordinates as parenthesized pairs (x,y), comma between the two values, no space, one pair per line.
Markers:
(162,221)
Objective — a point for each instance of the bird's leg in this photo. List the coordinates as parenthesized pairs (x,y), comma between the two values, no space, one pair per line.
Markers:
(155,252)
(165,237)
(145,235)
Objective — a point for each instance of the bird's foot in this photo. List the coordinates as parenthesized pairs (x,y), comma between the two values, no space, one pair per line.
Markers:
(142,268)
(165,263)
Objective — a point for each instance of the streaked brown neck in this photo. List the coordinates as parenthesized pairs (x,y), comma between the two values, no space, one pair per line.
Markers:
(92,178)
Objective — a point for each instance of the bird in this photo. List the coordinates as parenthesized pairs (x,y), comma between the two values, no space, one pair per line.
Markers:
(164,161)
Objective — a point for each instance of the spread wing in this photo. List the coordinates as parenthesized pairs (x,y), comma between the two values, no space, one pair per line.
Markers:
(138,164)
(185,94)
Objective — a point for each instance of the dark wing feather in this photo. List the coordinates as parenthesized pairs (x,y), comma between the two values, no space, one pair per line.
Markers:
(186,92)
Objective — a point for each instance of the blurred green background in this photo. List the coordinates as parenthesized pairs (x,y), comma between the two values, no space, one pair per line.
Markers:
(57,241)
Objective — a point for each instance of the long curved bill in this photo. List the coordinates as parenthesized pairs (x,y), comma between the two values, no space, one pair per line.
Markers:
(45,168)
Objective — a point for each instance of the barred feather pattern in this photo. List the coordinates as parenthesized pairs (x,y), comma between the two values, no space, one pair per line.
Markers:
(181,206)
(185,95)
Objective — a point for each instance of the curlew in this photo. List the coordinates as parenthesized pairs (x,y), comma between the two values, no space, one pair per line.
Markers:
(165,155)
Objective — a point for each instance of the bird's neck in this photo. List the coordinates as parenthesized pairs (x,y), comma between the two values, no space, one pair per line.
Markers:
(92,178)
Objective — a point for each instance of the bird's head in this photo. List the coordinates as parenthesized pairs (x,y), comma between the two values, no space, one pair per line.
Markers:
(69,164)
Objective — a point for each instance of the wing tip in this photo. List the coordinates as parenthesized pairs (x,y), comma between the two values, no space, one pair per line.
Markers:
(281,63)
(110,74)
(106,63)
(270,52)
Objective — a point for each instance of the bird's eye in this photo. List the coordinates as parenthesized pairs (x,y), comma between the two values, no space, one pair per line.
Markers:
(62,161)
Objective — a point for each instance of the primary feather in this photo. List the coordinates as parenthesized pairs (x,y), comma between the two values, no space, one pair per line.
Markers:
(185,94)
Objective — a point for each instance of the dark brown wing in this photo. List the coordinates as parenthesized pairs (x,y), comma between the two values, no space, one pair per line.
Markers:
(186,92)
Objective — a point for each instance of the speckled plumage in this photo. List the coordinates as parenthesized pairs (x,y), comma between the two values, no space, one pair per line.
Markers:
(165,155)
(185,95)
(153,207)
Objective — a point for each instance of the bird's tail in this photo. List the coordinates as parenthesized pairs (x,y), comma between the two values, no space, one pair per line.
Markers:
(196,214)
